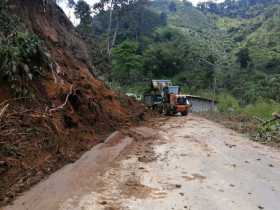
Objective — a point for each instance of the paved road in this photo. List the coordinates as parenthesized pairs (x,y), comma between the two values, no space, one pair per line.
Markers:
(185,163)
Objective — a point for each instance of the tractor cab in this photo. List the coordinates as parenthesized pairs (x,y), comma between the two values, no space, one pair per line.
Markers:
(172,90)
(182,100)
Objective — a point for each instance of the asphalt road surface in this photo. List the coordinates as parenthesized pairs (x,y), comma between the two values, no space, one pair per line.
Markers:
(181,163)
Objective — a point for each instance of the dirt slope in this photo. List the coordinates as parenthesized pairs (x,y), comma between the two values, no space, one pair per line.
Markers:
(36,138)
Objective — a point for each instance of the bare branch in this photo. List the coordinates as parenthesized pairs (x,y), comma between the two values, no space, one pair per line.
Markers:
(3,110)
(64,104)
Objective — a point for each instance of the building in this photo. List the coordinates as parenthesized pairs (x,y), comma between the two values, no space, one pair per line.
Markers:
(201,104)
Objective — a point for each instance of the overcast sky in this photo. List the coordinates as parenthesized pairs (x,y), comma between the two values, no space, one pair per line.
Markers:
(70,12)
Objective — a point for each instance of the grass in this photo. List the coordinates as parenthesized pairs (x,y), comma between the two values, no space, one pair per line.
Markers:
(262,109)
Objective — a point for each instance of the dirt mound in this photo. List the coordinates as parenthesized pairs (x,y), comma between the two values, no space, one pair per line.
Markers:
(72,110)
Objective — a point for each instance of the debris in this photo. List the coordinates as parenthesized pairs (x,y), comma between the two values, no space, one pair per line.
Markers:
(35,141)
(103,203)
(3,110)
(230,145)
(178,186)
(65,102)
(3,167)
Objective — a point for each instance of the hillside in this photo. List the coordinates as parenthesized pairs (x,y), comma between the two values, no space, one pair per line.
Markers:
(243,37)
(193,23)
(254,31)
(260,34)
(62,87)
(53,109)
(209,50)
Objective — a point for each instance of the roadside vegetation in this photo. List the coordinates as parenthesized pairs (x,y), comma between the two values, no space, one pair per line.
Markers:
(223,47)
(258,120)
(22,57)
(228,51)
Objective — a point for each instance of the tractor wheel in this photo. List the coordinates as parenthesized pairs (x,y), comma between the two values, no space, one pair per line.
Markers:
(160,109)
(185,113)
(165,110)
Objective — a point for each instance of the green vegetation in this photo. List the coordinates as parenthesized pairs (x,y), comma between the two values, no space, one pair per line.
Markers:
(127,65)
(230,48)
(262,109)
(19,61)
(251,72)
(228,104)
(21,56)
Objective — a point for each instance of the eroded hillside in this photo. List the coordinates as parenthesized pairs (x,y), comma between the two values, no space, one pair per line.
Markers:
(68,110)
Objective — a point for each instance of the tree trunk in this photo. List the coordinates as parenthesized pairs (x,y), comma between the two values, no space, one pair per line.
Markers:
(110,28)
(114,38)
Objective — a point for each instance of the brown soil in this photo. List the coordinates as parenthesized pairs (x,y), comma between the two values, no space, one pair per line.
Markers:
(35,142)
(242,124)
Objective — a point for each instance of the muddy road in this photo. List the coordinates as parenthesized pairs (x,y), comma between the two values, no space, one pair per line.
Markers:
(182,163)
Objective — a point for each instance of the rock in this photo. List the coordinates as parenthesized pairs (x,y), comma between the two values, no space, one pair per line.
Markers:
(3,167)
(103,202)
(178,186)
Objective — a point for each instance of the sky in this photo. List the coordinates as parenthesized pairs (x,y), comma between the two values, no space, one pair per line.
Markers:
(70,12)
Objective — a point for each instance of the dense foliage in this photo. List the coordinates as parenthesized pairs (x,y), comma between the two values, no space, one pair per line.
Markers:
(20,61)
(237,8)
(21,56)
(127,66)
(254,57)
(231,47)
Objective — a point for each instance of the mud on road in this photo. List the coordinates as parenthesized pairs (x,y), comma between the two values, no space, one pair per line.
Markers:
(181,163)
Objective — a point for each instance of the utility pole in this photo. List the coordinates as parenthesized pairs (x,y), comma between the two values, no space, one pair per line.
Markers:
(214,85)
(214,92)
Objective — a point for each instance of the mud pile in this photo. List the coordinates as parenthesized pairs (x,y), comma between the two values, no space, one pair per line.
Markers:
(72,110)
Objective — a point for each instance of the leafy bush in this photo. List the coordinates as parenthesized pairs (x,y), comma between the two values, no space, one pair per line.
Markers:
(262,109)
(20,60)
(21,55)
(127,64)
(227,103)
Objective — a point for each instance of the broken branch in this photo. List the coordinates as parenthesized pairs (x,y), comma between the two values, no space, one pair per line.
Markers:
(4,109)
(65,102)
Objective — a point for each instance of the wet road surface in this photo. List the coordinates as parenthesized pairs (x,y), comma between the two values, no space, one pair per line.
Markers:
(184,163)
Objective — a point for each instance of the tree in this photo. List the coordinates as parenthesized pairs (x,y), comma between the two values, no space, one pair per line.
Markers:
(71,3)
(127,63)
(113,6)
(172,7)
(83,12)
(243,57)
(163,18)
(132,20)
(166,59)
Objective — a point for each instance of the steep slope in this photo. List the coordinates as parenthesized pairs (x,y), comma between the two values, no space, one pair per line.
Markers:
(260,35)
(254,30)
(70,111)
(201,30)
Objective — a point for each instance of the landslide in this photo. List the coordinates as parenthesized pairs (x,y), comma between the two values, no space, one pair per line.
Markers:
(70,112)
